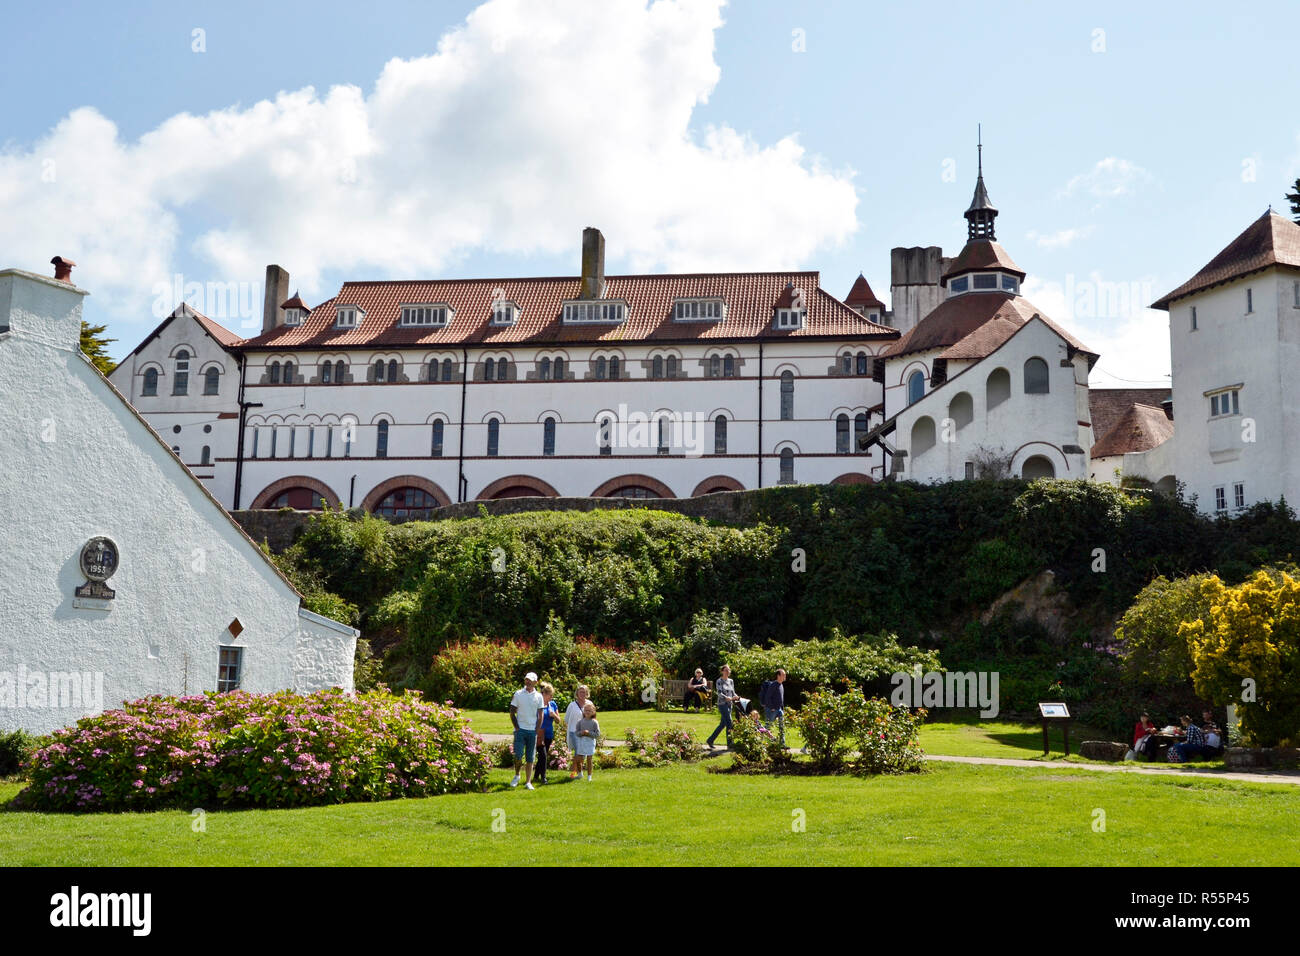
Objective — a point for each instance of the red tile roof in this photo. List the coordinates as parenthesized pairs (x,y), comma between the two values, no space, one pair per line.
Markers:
(750,299)
(1268,241)
(861,294)
(1106,406)
(973,325)
(982,254)
(1141,428)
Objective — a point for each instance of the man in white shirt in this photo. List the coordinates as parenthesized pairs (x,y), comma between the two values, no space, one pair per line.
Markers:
(526,714)
(572,715)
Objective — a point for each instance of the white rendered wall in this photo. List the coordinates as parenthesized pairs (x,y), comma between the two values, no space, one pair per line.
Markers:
(79,463)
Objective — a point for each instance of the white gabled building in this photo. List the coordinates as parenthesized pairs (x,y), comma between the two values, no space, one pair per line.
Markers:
(984,384)
(1234,333)
(124,576)
(401,396)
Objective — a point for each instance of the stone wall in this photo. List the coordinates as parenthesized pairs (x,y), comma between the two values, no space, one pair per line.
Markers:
(279,529)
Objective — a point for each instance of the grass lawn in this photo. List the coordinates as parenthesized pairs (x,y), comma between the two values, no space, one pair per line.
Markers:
(952,814)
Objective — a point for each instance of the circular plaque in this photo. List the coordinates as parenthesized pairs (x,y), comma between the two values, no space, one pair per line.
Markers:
(99,559)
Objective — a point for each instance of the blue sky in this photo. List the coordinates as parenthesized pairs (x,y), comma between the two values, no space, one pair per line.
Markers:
(1125,143)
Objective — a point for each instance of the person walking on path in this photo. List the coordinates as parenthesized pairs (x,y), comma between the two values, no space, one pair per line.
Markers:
(774,703)
(588,736)
(550,713)
(526,715)
(726,691)
(572,715)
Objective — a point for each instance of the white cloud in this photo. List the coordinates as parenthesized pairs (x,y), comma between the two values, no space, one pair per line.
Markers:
(1110,318)
(1059,239)
(1109,178)
(532,119)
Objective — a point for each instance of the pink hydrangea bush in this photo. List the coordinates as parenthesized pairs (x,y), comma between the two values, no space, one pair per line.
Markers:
(266,750)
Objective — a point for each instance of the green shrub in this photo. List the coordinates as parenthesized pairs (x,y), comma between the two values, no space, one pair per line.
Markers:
(712,640)
(16,747)
(753,743)
(673,745)
(864,735)
(268,750)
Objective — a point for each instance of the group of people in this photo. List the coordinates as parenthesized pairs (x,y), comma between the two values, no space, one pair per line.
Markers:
(1199,740)
(534,714)
(771,699)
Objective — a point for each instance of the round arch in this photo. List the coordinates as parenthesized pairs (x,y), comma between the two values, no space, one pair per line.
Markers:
(386,487)
(717,483)
(853,478)
(281,485)
(645,481)
(512,482)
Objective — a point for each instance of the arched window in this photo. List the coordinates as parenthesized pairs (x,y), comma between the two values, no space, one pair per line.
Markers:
(715,366)
(962,409)
(923,435)
(548,437)
(601,370)
(720,435)
(614,370)
(657,367)
(1037,466)
(181,379)
(379,370)
(841,434)
(288,373)
(729,366)
(435,448)
(633,491)
(275,433)
(392,370)
(544,369)
(605,435)
(503,369)
(494,437)
(433,370)
(275,373)
(559,370)
(150,382)
(1035,377)
(381,440)
(340,372)
(326,373)
(206,457)
(300,499)
(212,381)
(846,363)
(787,396)
(255,431)
(998,387)
(672,366)
(864,366)
(489,370)
(406,503)
(446,370)
(915,387)
(859,430)
(665,428)
(787,466)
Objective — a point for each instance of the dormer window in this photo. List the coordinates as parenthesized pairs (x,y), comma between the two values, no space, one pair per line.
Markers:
(789,318)
(293,316)
(504,313)
(348,317)
(595,311)
(425,315)
(699,310)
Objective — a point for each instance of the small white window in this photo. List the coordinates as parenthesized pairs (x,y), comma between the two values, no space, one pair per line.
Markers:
(789,318)
(1220,500)
(1239,495)
(503,313)
(293,317)
(427,315)
(346,317)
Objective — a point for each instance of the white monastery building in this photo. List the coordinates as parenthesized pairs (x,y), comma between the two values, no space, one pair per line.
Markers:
(124,576)
(401,396)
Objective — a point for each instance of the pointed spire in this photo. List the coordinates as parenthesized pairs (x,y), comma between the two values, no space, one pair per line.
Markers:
(980,215)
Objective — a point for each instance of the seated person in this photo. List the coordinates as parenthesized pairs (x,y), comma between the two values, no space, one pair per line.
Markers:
(1213,735)
(1142,732)
(697,691)
(1193,744)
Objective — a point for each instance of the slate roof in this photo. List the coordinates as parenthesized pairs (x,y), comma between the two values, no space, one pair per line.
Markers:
(1141,428)
(1106,406)
(973,325)
(861,294)
(982,254)
(1268,241)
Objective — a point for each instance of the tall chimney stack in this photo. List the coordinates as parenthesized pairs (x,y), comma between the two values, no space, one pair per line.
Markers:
(593,264)
(277,291)
(62,269)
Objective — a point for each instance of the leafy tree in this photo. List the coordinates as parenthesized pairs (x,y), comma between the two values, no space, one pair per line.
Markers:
(1248,652)
(95,345)
(1153,644)
(1294,199)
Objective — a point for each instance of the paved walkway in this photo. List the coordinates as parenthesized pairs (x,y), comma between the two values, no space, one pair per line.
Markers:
(1258,776)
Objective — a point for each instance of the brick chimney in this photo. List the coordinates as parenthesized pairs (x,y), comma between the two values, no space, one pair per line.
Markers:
(277,291)
(593,264)
(62,269)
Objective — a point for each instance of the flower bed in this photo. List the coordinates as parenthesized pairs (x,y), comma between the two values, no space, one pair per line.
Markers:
(266,750)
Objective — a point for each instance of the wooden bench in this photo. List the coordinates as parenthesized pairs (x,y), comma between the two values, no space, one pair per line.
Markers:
(675,692)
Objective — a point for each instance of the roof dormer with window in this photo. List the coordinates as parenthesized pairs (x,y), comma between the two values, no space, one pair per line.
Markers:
(504,313)
(426,315)
(295,310)
(706,309)
(348,317)
(582,311)
(789,310)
